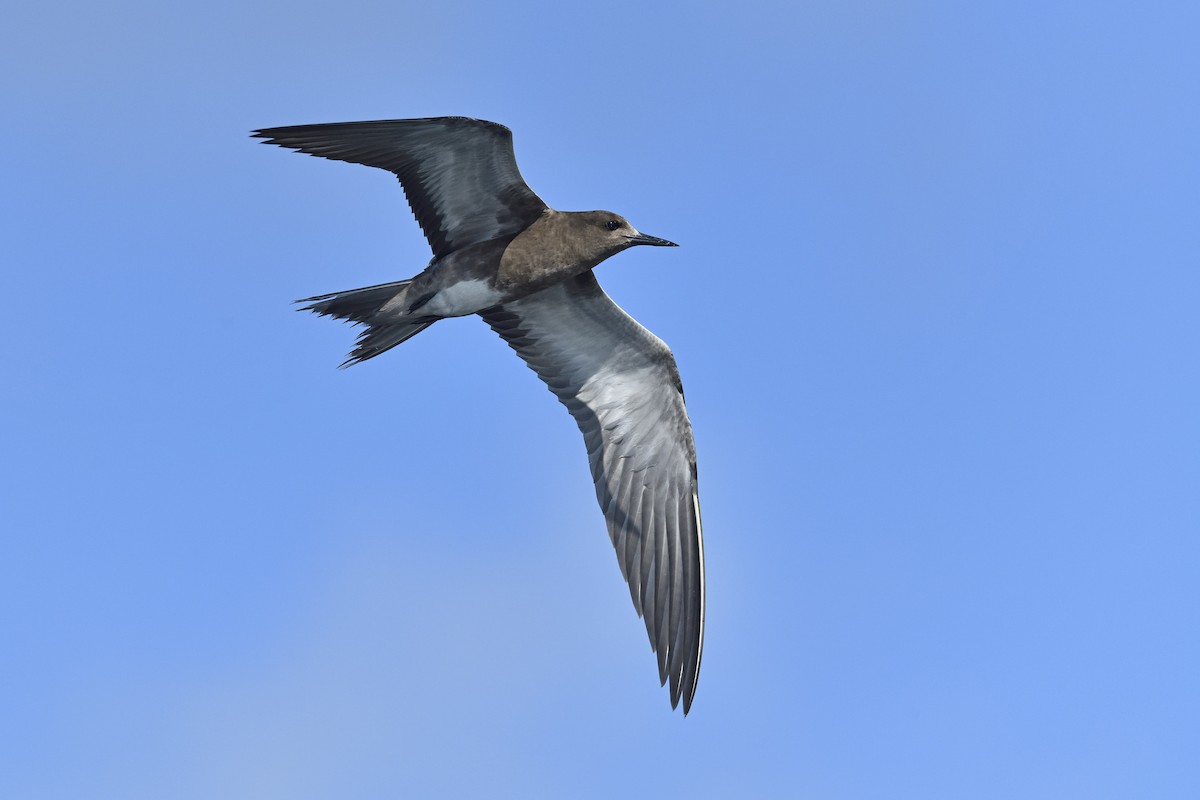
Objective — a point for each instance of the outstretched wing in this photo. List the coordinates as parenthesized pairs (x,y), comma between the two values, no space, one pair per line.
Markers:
(459,174)
(621,384)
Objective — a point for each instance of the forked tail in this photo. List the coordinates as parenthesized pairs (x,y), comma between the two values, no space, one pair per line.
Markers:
(361,307)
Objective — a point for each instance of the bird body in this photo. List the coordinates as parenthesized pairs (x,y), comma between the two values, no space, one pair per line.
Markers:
(557,246)
(500,252)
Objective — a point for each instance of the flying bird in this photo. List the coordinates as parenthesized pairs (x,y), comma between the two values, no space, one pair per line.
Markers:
(500,252)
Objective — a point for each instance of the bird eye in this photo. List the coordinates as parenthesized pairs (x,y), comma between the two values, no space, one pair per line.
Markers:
(612,224)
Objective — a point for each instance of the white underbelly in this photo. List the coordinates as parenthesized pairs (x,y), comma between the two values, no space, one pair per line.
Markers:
(462,298)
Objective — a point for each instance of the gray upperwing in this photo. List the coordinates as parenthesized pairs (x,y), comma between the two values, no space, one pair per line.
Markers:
(459,174)
(621,384)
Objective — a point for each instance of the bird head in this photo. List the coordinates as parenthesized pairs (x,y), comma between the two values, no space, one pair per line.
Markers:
(609,233)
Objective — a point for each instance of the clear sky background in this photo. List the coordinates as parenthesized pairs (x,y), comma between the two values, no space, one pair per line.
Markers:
(936,311)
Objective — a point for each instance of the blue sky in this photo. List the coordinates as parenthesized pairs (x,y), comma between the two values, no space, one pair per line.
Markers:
(936,313)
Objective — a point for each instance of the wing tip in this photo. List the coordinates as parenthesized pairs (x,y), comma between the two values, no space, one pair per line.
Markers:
(687,696)
(264,133)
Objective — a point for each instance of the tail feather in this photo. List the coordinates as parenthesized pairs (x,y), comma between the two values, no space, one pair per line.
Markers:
(359,307)
(379,338)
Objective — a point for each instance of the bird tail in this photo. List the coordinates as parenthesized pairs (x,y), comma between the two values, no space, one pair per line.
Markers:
(361,307)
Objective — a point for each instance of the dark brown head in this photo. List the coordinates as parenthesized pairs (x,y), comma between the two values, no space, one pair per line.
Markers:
(604,234)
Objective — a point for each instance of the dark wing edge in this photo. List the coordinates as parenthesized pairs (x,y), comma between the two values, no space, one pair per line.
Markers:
(621,385)
(459,174)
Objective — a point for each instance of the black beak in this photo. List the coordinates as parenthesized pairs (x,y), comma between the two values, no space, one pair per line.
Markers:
(642,238)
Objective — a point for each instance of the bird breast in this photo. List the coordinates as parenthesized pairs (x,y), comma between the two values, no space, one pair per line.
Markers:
(548,251)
